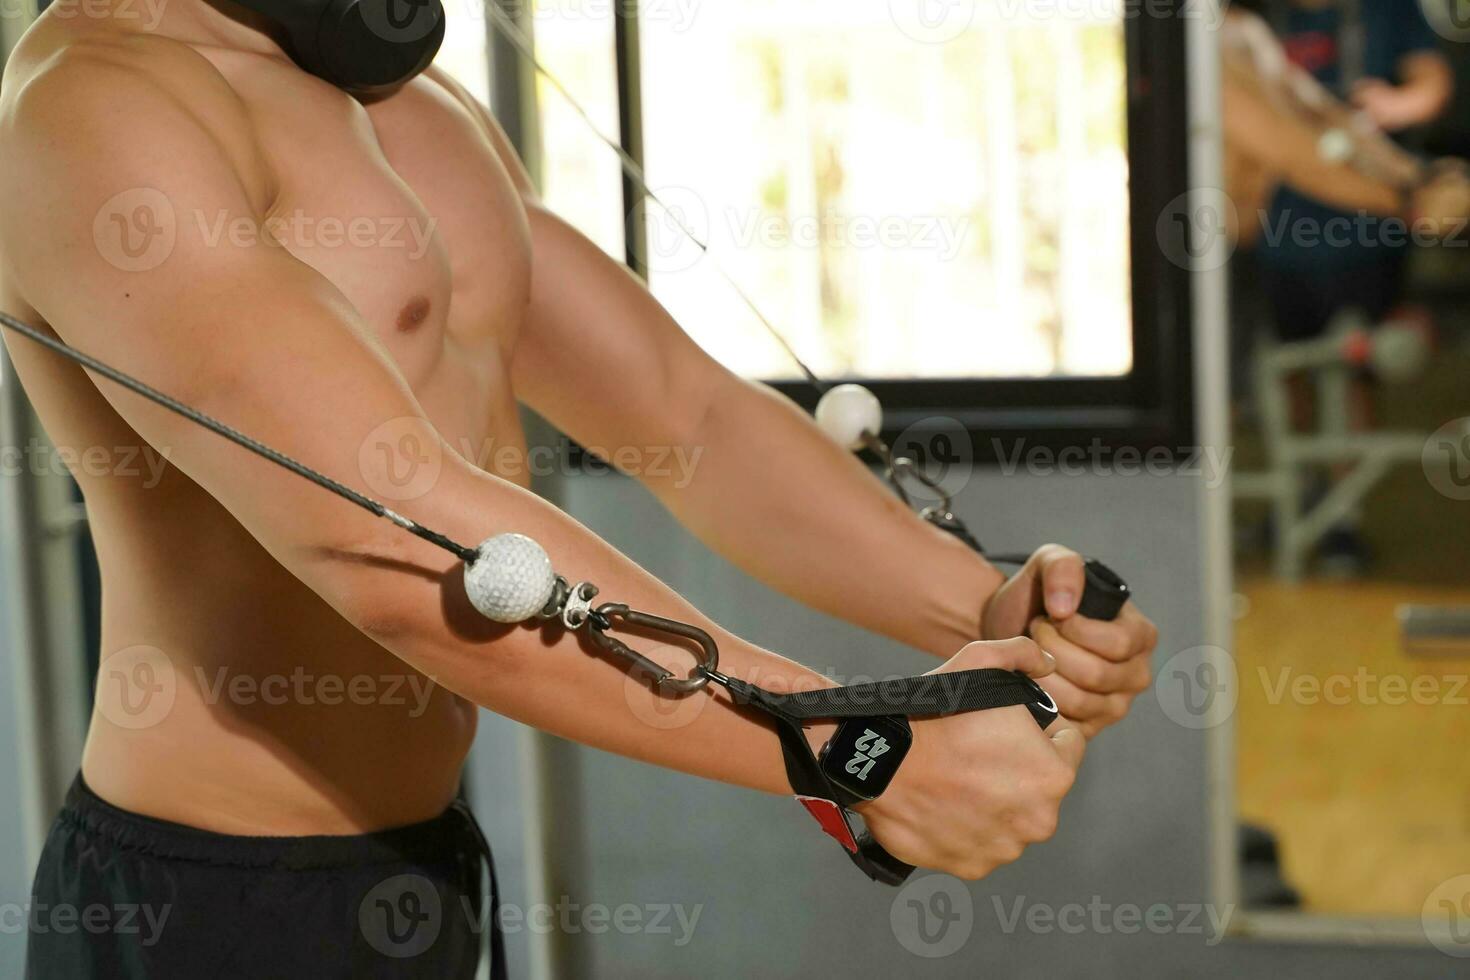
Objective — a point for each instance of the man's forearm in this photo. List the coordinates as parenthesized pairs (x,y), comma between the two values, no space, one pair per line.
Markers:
(777,497)
(607,364)
(408,596)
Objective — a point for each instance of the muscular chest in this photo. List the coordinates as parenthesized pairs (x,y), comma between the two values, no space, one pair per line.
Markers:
(406,209)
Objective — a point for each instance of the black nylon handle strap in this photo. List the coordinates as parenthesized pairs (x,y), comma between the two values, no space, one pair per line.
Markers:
(930,694)
(927,696)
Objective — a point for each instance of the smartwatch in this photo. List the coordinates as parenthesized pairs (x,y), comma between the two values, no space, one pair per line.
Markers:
(863,755)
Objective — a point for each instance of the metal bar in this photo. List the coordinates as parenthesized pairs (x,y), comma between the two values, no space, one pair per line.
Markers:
(1211,324)
(1335,930)
(1342,499)
(515,103)
(630,131)
(69,520)
(1403,447)
(513,97)
(1263,485)
(17,545)
(12,26)
(550,787)
(1434,631)
(49,686)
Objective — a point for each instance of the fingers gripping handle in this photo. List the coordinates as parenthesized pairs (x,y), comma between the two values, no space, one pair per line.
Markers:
(1103,598)
(1103,595)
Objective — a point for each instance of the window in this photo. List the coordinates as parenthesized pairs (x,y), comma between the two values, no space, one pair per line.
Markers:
(902,208)
(581,180)
(463,53)
(961,213)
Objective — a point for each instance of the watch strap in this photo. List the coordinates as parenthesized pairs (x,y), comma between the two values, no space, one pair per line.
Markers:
(929,695)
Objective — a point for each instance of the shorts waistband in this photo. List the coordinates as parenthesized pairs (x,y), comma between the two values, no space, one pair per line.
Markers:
(449,838)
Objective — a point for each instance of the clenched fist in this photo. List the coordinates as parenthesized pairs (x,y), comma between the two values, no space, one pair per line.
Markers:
(1101,666)
(978,787)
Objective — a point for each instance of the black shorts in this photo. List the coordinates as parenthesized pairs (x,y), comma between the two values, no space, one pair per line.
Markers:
(122,895)
(1303,301)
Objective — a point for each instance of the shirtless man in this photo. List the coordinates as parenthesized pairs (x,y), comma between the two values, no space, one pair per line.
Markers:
(263,826)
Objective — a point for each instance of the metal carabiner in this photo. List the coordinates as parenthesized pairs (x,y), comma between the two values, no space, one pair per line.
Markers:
(897,468)
(706,670)
(901,466)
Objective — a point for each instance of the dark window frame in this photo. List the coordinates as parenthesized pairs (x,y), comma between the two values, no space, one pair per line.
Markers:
(1151,408)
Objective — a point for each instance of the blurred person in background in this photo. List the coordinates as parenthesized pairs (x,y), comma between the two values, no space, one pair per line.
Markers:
(1311,116)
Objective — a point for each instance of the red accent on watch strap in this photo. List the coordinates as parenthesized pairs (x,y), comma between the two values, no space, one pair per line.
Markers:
(832,819)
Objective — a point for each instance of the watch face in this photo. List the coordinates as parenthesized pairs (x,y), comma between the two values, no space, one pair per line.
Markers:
(865,753)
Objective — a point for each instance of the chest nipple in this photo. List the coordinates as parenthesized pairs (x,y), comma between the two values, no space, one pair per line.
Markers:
(413,314)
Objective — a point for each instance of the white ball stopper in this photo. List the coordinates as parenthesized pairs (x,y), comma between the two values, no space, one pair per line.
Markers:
(1401,352)
(511,580)
(846,412)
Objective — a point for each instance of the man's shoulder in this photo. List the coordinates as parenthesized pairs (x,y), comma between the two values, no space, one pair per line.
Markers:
(55,53)
(461,103)
(86,98)
(66,82)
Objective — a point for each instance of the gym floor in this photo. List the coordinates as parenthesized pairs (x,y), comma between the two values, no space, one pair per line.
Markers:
(1367,798)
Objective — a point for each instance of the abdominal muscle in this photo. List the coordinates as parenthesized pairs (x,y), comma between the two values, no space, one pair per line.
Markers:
(239,702)
(233,699)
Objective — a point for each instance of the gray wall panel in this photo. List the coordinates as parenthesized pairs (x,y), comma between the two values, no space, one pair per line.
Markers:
(775,898)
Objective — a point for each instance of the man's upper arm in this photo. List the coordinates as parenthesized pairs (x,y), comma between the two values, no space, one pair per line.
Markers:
(598,355)
(113,183)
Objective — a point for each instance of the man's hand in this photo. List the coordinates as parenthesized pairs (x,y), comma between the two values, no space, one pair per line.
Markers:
(977,788)
(1101,666)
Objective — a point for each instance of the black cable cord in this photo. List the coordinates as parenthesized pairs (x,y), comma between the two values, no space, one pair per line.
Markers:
(238,438)
(633,170)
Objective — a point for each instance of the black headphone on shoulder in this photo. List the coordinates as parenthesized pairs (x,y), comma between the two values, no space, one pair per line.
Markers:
(363,46)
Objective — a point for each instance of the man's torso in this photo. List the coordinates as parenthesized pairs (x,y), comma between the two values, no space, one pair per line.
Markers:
(284,719)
